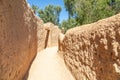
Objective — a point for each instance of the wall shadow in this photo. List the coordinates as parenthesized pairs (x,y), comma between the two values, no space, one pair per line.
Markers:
(47,38)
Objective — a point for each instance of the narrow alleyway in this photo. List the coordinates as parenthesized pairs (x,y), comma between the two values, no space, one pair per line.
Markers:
(48,65)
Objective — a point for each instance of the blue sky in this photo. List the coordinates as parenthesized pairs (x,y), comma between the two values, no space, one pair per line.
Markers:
(42,3)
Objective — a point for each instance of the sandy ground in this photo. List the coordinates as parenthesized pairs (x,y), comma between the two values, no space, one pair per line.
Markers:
(48,65)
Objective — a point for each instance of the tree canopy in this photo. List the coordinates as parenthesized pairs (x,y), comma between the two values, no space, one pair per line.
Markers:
(50,14)
(88,11)
(35,8)
(69,5)
(79,12)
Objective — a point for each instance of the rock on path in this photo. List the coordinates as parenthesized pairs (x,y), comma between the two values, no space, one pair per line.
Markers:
(48,65)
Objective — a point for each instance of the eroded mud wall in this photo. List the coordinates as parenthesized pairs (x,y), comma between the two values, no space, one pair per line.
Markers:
(92,52)
(18,39)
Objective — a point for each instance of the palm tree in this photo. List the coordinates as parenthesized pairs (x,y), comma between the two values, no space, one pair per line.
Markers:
(35,8)
(69,5)
(58,10)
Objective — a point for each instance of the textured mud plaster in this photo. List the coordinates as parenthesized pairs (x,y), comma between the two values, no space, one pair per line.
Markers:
(18,39)
(92,51)
(54,32)
(41,35)
(60,41)
(47,35)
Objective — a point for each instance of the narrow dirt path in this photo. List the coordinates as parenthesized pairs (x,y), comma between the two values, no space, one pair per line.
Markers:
(48,65)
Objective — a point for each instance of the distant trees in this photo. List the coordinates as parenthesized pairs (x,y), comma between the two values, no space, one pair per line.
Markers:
(88,11)
(79,12)
(67,24)
(69,5)
(35,8)
(49,14)
(58,9)
(115,4)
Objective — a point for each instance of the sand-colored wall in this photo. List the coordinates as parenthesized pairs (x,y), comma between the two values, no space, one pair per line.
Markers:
(92,51)
(41,35)
(18,39)
(54,35)
(47,35)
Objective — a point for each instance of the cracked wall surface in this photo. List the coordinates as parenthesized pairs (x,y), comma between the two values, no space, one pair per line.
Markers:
(92,51)
(18,39)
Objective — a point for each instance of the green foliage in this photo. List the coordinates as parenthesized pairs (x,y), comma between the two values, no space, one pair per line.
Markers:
(88,11)
(79,12)
(67,24)
(57,12)
(35,8)
(92,10)
(116,6)
(50,14)
(69,5)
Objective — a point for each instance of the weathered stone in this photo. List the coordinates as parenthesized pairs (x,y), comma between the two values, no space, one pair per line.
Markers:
(92,51)
(18,39)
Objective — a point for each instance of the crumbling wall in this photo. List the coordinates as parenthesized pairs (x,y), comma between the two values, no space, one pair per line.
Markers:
(54,35)
(92,51)
(41,35)
(47,35)
(18,39)
(54,32)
